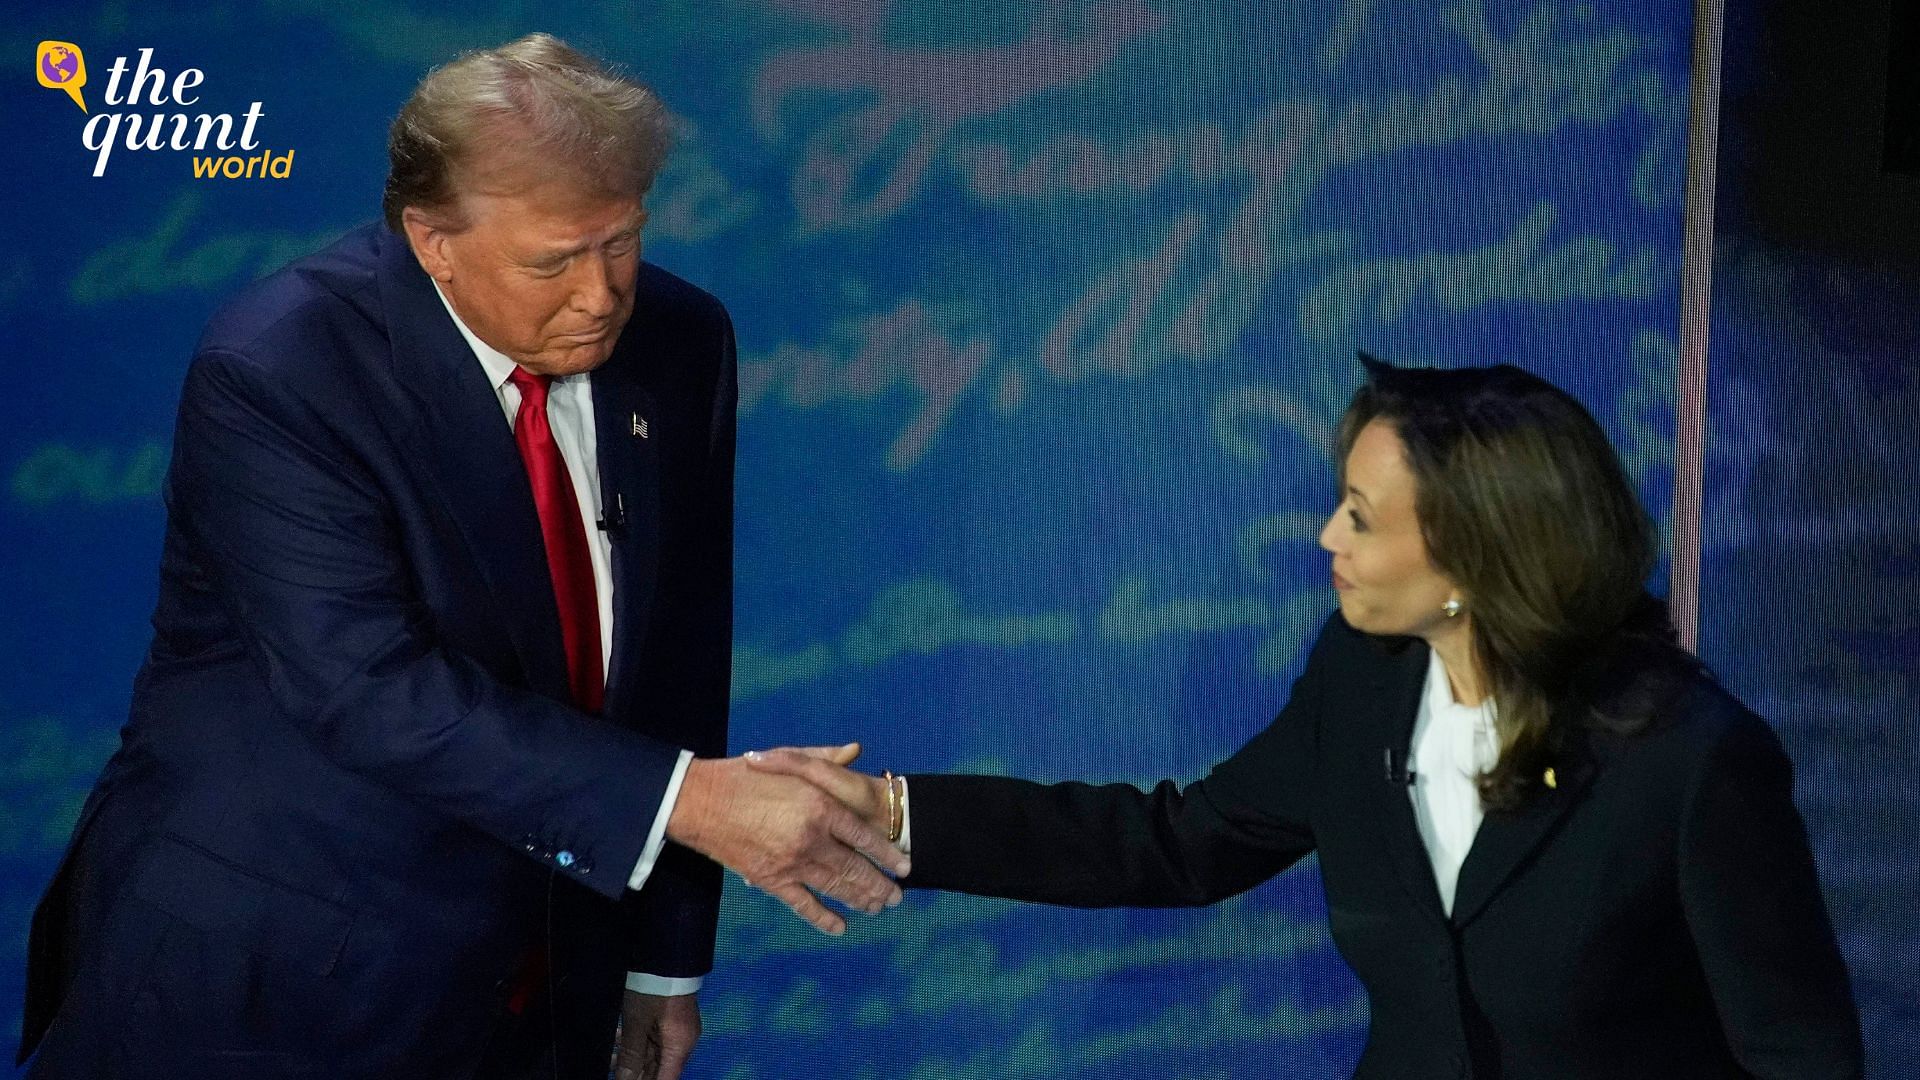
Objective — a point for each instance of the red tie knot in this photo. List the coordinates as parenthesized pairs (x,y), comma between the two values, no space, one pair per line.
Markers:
(532,387)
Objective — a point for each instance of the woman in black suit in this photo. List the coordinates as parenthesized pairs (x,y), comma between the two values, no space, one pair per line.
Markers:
(1552,846)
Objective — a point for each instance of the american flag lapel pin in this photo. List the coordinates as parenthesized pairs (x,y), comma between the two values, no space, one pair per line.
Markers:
(639,425)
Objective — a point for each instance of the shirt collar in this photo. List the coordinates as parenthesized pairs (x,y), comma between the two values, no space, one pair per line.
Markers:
(498,365)
(1439,692)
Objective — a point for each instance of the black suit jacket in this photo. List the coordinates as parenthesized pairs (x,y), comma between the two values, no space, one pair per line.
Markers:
(1654,915)
(351,794)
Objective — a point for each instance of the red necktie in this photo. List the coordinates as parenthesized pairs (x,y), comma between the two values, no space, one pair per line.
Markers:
(568,562)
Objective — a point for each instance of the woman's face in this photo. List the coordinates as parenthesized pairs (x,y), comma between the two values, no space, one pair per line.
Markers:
(1386,581)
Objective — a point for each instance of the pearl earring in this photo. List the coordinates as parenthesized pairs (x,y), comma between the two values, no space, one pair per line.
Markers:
(1451,608)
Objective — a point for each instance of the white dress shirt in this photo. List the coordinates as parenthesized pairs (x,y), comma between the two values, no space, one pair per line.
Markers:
(1452,745)
(570,416)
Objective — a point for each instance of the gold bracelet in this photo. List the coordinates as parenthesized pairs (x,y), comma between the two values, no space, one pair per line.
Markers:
(896,812)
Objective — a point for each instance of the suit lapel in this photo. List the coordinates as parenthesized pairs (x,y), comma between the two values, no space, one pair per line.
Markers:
(1506,839)
(627,431)
(469,447)
(1392,706)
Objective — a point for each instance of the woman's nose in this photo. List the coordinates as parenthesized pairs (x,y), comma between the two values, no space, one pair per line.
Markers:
(1327,532)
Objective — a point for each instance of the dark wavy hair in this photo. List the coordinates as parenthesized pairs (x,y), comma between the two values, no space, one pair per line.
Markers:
(1525,506)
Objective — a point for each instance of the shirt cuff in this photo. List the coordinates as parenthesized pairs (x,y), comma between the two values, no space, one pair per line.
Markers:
(639,982)
(906,821)
(657,836)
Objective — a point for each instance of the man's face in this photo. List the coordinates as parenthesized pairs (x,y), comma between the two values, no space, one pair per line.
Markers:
(543,272)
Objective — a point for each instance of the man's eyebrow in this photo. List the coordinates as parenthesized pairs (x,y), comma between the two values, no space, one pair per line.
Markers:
(633,225)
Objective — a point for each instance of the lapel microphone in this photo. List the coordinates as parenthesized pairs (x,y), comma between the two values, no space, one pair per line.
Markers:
(613,520)
(1397,772)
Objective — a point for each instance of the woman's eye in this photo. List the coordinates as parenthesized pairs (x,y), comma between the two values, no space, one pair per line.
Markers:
(1358,525)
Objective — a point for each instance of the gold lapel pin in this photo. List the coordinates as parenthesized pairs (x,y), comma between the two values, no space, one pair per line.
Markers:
(1552,780)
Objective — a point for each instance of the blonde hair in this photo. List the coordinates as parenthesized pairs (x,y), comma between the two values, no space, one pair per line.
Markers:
(533,102)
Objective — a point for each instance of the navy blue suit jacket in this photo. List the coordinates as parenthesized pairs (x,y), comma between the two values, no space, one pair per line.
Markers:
(351,794)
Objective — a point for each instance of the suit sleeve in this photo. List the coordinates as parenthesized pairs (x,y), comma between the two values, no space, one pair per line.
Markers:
(672,923)
(1114,845)
(1753,905)
(298,542)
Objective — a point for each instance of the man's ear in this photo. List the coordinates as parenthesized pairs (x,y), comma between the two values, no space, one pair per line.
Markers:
(429,243)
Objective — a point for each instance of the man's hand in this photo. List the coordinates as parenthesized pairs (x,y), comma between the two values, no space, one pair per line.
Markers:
(786,836)
(656,1036)
(825,768)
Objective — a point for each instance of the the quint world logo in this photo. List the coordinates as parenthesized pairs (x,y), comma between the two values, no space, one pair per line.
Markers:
(150,112)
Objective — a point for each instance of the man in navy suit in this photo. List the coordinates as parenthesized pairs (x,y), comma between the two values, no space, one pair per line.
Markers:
(424,774)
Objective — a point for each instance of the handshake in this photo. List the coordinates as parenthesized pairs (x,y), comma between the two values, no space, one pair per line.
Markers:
(797,824)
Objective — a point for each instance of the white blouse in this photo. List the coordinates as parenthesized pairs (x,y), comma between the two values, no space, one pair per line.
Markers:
(1452,745)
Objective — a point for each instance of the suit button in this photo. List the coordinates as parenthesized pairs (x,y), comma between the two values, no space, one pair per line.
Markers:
(564,858)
